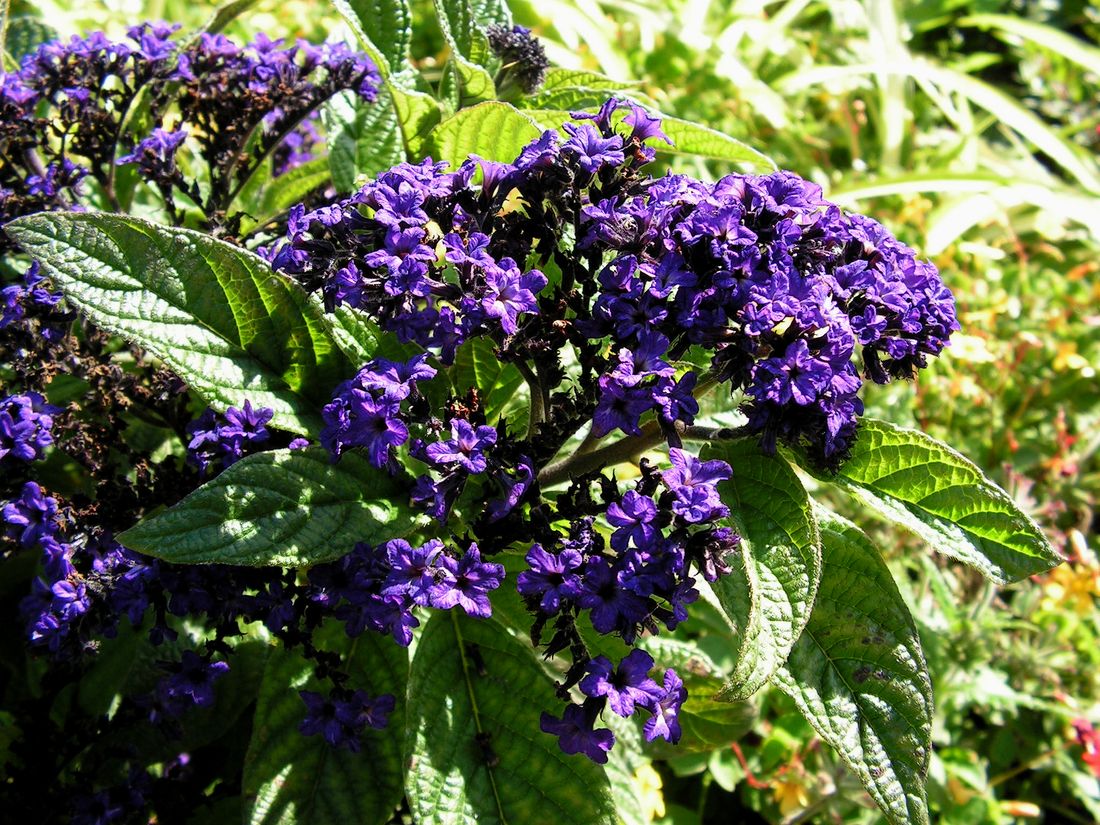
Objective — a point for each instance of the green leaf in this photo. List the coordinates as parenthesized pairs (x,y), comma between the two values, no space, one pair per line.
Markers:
(1058,42)
(491,13)
(477,365)
(284,507)
(471,677)
(225,14)
(362,339)
(417,115)
(292,779)
(557,78)
(386,25)
(363,139)
(25,34)
(214,313)
(859,676)
(265,197)
(769,594)
(470,53)
(493,130)
(922,484)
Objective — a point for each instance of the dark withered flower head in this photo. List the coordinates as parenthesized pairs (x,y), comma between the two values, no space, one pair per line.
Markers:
(524,58)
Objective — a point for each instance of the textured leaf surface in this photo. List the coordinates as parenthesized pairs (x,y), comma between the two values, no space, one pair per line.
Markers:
(283,507)
(769,594)
(291,779)
(472,677)
(215,314)
(25,34)
(387,24)
(363,139)
(913,479)
(493,130)
(470,53)
(859,676)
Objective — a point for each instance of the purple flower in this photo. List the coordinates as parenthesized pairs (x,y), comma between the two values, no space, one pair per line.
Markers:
(552,577)
(621,404)
(694,484)
(665,721)
(514,489)
(25,422)
(31,516)
(634,517)
(466,447)
(612,607)
(413,569)
(467,583)
(591,150)
(511,293)
(341,719)
(355,418)
(191,683)
(576,733)
(625,686)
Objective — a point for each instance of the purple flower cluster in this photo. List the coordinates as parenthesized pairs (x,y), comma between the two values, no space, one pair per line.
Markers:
(342,718)
(25,422)
(226,437)
(17,298)
(367,410)
(624,689)
(378,588)
(62,112)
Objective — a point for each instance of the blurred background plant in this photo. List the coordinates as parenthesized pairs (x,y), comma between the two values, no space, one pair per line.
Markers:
(971,129)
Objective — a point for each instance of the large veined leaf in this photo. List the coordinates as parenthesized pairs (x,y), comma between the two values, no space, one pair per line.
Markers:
(492,130)
(214,313)
(858,674)
(769,594)
(386,25)
(266,197)
(363,139)
(292,779)
(282,507)
(922,484)
(473,744)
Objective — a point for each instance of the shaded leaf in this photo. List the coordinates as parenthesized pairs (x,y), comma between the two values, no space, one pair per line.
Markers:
(363,138)
(294,779)
(470,677)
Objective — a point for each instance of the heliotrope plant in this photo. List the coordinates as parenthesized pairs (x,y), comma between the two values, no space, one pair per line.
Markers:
(459,486)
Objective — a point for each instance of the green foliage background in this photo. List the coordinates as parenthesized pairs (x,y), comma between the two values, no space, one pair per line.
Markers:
(971,130)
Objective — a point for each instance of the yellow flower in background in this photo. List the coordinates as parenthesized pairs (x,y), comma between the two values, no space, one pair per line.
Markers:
(648,783)
(1074,585)
(971,348)
(791,796)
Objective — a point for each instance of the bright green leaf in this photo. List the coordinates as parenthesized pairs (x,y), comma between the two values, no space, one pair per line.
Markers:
(282,507)
(214,313)
(385,26)
(477,365)
(363,138)
(922,484)
(292,779)
(273,196)
(471,677)
(859,676)
(769,594)
(25,34)
(493,130)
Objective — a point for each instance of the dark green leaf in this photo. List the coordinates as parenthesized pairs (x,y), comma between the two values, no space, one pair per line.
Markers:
(291,779)
(769,594)
(493,130)
(926,486)
(214,313)
(283,507)
(225,14)
(477,365)
(361,339)
(859,676)
(471,677)
(363,139)
(25,34)
(265,197)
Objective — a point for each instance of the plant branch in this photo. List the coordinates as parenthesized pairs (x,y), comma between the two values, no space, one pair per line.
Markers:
(538,406)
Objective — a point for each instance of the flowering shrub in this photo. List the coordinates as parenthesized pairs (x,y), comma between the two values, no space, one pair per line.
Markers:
(399,535)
